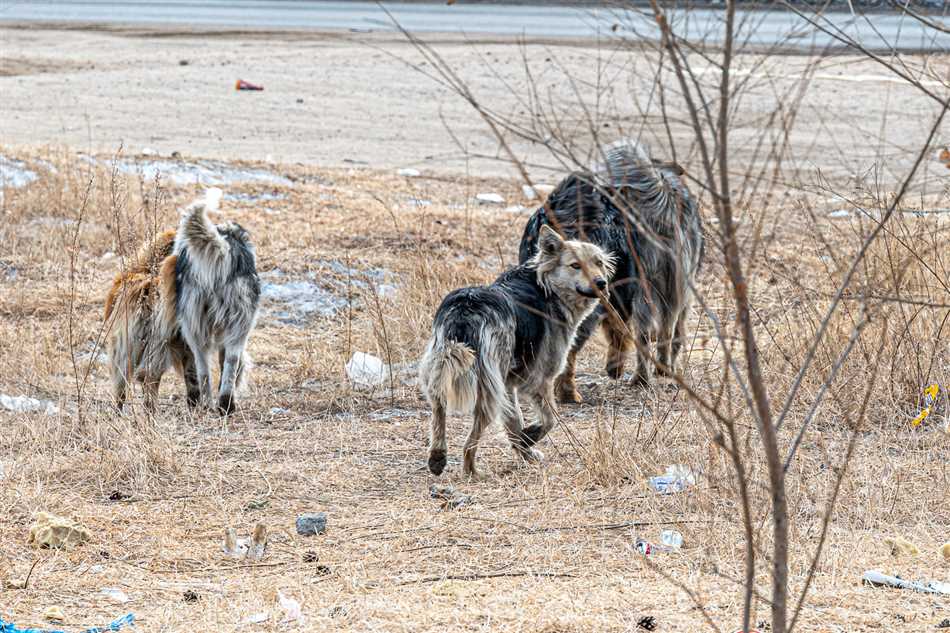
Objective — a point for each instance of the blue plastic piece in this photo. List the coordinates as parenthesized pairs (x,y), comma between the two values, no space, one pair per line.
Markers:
(128,619)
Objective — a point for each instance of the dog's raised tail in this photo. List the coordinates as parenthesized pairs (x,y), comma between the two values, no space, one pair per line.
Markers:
(449,374)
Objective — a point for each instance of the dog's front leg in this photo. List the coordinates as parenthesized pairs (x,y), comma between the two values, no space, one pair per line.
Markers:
(544,403)
(204,376)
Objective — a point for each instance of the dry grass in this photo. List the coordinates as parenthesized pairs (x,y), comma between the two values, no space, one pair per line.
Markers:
(543,548)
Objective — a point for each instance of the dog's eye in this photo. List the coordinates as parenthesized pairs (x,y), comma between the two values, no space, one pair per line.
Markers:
(576,266)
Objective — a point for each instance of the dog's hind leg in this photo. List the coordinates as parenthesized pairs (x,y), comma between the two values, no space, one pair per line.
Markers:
(618,341)
(185,361)
(437,444)
(642,377)
(664,344)
(232,354)
(486,410)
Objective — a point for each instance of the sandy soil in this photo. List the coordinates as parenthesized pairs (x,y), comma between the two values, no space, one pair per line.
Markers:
(344,99)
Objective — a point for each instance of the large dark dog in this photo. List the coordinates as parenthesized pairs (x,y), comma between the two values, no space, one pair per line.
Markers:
(491,344)
(640,211)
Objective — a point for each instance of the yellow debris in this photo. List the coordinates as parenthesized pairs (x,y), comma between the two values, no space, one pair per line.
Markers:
(945,551)
(900,545)
(54,614)
(53,531)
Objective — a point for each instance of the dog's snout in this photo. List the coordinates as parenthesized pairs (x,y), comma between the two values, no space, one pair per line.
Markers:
(601,283)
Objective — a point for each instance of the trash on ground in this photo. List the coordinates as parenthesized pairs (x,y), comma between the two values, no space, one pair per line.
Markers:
(677,478)
(671,538)
(945,551)
(840,213)
(646,547)
(52,531)
(25,404)
(875,578)
(246,85)
(944,624)
(233,546)
(256,618)
(543,190)
(899,545)
(647,623)
(114,594)
(529,192)
(366,370)
(292,609)
(930,397)
(516,208)
(450,498)
(489,198)
(409,172)
(54,614)
(258,542)
(115,625)
(311,523)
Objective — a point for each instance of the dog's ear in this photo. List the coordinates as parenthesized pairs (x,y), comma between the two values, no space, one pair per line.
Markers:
(549,242)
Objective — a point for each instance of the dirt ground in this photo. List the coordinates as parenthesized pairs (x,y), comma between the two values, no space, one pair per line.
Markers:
(356,258)
(341,99)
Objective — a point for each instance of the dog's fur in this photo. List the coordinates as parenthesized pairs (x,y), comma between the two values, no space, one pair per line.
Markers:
(218,292)
(186,294)
(640,211)
(143,340)
(491,344)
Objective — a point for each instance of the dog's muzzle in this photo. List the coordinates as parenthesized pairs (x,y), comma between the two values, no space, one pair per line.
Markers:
(590,293)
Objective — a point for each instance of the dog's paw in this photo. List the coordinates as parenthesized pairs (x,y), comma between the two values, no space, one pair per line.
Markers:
(641,380)
(437,462)
(568,393)
(614,370)
(532,434)
(475,475)
(664,371)
(533,455)
(227,404)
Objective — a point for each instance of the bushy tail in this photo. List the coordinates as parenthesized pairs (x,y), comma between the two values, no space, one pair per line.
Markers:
(207,251)
(448,371)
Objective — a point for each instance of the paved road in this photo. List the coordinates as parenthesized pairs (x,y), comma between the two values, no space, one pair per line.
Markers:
(763,28)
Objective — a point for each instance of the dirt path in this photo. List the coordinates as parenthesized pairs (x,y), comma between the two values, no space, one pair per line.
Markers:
(351,99)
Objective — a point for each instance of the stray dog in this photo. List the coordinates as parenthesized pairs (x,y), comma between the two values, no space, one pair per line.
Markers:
(491,343)
(218,292)
(186,294)
(640,211)
(143,340)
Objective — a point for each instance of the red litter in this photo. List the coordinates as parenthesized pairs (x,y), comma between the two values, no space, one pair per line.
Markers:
(246,85)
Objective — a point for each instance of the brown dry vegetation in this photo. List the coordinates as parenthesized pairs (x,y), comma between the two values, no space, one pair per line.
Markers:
(543,548)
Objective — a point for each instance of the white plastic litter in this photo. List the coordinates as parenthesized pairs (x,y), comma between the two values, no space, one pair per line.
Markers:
(233,546)
(877,579)
(256,618)
(490,198)
(671,538)
(543,190)
(840,213)
(409,172)
(677,478)
(25,404)
(366,370)
(529,192)
(115,595)
(292,610)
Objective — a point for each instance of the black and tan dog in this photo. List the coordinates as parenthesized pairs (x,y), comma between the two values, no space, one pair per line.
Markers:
(187,293)
(491,344)
(640,211)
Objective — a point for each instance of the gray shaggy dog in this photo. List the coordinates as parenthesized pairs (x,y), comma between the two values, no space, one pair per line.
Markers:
(640,211)
(218,292)
(491,344)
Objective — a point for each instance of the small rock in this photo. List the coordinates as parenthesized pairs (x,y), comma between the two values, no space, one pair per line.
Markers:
(183,62)
(118,495)
(321,570)
(409,172)
(53,531)
(312,523)
(489,198)
(176,154)
(543,190)
(299,100)
(191,596)
(54,614)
